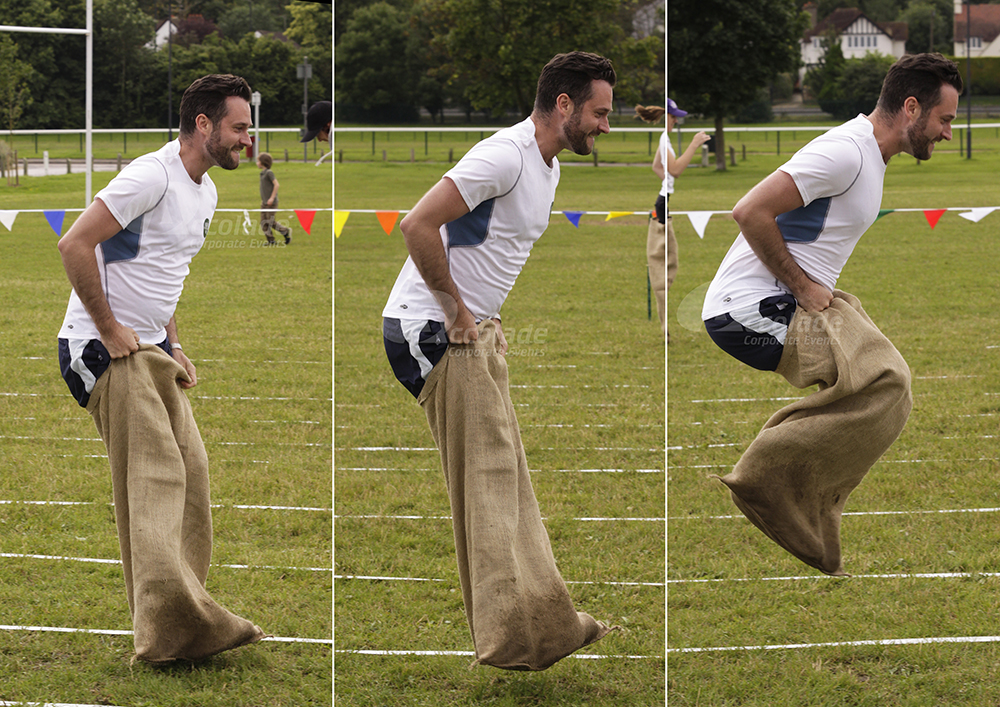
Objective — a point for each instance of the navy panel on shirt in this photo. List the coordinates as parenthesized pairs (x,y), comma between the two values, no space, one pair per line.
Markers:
(124,245)
(804,224)
(471,230)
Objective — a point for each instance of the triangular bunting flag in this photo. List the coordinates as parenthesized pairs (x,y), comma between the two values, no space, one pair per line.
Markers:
(933,215)
(339,219)
(699,219)
(388,220)
(55,219)
(574,217)
(883,212)
(976,215)
(7,218)
(306,219)
(617,214)
(246,222)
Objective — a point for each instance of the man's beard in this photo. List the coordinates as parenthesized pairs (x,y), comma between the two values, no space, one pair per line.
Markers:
(223,156)
(920,144)
(576,137)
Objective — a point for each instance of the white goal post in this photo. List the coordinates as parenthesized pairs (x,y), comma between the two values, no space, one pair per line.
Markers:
(89,101)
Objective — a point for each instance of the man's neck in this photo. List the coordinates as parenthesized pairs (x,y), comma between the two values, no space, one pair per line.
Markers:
(194,160)
(548,138)
(887,134)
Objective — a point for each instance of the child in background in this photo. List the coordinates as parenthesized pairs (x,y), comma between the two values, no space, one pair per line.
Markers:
(269,201)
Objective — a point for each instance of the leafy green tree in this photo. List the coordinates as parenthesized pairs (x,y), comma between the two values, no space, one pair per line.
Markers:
(821,82)
(269,66)
(860,84)
(122,72)
(498,47)
(374,78)
(722,52)
(14,95)
(920,16)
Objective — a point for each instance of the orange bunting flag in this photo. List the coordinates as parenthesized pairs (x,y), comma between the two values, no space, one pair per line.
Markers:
(306,219)
(388,220)
(933,216)
(339,219)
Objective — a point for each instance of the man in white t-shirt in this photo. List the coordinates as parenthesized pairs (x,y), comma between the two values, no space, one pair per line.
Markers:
(127,257)
(798,229)
(468,238)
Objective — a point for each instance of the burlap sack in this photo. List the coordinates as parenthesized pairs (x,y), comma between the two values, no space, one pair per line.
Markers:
(517,605)
(159,472)
(656,262)
(794,479)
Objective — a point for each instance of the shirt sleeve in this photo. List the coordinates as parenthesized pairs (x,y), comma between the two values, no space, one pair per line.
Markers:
(488,170)
(825,168)
(137,189)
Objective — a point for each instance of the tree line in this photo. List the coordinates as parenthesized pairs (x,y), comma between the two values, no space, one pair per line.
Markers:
(43,77)
(394,58)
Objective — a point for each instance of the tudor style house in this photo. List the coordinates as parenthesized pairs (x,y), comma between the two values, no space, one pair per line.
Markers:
(858,36)
(983,27)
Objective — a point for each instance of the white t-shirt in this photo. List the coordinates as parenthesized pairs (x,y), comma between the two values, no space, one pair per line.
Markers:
(164,217)
(839,176)
(509,191)
(665,149)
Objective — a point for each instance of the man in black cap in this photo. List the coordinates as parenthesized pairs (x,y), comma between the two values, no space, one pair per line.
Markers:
(318,121)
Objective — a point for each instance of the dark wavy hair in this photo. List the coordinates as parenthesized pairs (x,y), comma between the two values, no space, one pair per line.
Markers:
(920,76)
(208,95)
(572,74)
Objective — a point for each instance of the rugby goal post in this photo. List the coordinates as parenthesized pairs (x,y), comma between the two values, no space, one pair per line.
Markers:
(89,101)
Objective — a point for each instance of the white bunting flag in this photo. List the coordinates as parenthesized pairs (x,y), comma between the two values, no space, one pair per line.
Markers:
(699,219)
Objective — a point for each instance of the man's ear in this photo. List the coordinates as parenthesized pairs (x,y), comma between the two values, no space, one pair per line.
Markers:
(911,107)
(203,124)
(564,104)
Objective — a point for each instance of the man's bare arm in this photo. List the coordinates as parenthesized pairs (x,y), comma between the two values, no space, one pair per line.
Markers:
(95,225)
(422,232)
(756,213)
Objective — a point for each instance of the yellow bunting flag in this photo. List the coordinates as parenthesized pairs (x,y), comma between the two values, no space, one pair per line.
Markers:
(339,219)
(617,214)
(388,220)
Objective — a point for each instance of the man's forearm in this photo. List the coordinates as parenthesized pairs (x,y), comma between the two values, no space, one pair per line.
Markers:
(82,271)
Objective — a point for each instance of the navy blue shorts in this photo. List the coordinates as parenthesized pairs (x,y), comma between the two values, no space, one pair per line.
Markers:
(414,347)
(83,362)
(755,335)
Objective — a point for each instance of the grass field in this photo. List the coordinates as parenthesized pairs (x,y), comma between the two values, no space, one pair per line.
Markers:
(921,534)
(256,322)
(586,369)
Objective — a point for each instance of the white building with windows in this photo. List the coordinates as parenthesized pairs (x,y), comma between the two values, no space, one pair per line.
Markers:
(164,29)
(858,36)
(982,23)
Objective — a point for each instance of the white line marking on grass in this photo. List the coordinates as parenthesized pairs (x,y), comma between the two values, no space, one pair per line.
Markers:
(795,578)
(4,703)
(837,644)
(743,400)
(425,579)
(214,505)
(117,632)
(547,449)
(471,654)
(100,561)
(858,513)
(887,461)
(400,517)
(533,471)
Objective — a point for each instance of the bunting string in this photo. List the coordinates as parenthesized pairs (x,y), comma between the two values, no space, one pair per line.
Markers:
(388,219)
(56,217)
(975,214)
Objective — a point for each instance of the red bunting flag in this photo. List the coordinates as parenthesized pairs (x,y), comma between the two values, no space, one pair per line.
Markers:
(933,216)
(388,220)
(306,219)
